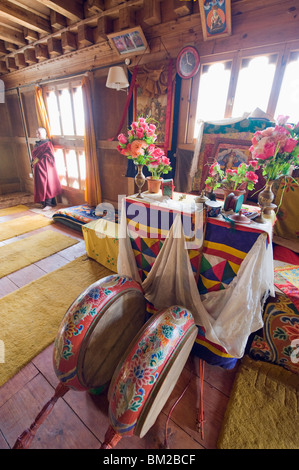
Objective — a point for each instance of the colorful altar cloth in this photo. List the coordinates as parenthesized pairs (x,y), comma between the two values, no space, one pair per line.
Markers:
(227,316)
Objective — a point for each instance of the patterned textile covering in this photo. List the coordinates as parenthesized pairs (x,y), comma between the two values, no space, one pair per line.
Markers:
(287,224)
(287,280)
(223,252)
(153,229)
(278,342)
(76,216)
(240,132)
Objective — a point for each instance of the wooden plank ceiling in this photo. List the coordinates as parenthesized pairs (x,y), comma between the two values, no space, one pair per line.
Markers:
(33,31)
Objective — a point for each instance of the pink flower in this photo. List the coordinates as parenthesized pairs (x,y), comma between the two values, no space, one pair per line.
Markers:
(140,133)
(269,149)
(214,169)
(252,176)
(122,139)
(141,120)
(281,120)
(157,153)
(253,163)
(152,127)
(150,148)
(289,145)
(134,125)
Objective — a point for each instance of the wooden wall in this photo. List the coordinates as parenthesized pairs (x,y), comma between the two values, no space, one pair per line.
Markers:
(266,23)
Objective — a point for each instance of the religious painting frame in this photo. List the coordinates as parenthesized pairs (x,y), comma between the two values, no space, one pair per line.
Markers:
(230,153)
(155,107)
(215,18)
(128,42)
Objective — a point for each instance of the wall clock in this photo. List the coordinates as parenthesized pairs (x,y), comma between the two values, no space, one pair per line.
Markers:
(188,62)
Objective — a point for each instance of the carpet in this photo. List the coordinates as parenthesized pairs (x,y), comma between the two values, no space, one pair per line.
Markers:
(287,280)
(13,228)
(17,255)
(13,210)
(263,409)
(30,317)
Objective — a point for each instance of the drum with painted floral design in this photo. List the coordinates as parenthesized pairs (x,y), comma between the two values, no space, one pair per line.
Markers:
(148,371)
(95,332)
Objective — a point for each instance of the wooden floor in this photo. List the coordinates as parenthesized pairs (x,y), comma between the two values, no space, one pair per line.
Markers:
(79,420)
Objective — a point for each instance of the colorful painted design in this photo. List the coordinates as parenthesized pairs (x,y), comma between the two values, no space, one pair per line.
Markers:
(86,309)
(278,341)
(134,380)
(84,214)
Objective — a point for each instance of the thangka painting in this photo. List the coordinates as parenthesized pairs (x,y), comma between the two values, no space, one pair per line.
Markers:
(156,108)
(215,18)
(231,153)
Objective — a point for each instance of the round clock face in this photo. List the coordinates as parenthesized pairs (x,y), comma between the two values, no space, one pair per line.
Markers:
(187,62)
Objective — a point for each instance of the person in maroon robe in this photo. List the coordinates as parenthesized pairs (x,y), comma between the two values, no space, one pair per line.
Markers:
(46,182)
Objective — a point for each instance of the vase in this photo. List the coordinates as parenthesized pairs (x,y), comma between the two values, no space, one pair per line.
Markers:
(265,199)
(139,180)
(153,185)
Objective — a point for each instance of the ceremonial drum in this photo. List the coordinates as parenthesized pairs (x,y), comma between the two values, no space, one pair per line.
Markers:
(148,372)
(92,337)
(95,332)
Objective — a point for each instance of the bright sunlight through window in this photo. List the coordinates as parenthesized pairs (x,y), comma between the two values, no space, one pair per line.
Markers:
(212,94)
(288,102)
(254,86)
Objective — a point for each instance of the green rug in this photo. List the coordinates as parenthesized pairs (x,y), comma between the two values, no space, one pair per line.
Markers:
(20,225)
(30,317)
(263,410)
(29,250)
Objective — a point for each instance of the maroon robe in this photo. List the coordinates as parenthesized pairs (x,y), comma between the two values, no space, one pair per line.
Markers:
(46,181)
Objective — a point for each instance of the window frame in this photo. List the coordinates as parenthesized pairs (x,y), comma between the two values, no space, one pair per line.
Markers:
(283,51)
(67,142)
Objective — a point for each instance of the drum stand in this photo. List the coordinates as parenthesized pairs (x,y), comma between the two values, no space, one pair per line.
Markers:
(25,439)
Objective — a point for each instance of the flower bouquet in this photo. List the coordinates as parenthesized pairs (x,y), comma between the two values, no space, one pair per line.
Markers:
(241,178)
(214,178)
(139,146)
(276,148)
(139,142)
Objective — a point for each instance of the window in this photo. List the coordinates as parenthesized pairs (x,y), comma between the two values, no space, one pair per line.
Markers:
(212,94)
(66,115)
(254,85)
(288,101)
(246,81)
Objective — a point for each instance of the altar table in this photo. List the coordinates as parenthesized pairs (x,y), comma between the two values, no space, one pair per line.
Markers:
(220,272)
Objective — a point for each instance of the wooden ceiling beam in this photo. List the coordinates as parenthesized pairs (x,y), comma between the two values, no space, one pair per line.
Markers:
(24,17)
(69,8)
(10,35)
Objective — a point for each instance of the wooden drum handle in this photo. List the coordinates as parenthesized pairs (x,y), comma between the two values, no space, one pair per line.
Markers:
(27,436)
(111,439)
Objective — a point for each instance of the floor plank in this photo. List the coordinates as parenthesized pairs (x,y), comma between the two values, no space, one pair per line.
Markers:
(80,420)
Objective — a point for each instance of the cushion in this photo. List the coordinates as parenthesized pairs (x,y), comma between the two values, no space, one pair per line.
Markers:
(278,341)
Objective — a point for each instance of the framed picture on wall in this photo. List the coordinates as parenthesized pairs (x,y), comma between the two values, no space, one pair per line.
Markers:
(155,107)
(230,153)
(215,18)
(129,41)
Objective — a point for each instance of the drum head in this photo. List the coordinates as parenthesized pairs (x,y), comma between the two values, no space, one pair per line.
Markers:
(96,330)
(148,372)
